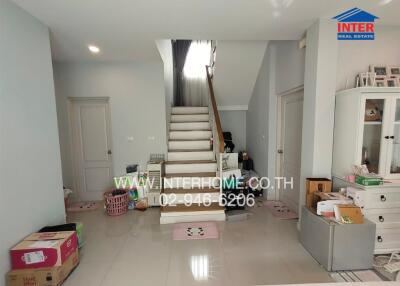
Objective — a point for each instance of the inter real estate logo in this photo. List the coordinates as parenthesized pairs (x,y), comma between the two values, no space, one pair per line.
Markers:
(355,24)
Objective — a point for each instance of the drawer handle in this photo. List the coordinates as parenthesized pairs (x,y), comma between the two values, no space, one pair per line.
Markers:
(383,198)
(380,239)
(381,218)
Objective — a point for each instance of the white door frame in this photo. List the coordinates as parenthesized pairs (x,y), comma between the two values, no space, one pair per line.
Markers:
(279,134)
(74,160)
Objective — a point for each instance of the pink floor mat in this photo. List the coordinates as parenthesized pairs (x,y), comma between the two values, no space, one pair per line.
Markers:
(280,210)
(83,206)
(195,230)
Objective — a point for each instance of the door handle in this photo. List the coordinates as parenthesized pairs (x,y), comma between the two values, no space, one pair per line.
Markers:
(109,152)
(387,137)
(379,238)
(391,137)
(383,198)
(381,218)
(280,151)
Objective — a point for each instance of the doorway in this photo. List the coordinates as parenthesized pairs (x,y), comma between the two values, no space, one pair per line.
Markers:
(91,146)
(290,124)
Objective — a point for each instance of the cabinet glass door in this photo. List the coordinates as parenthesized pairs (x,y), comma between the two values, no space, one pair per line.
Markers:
(395,140)
(372,136)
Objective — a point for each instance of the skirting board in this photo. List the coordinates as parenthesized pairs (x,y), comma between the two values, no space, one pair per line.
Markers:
(232,107)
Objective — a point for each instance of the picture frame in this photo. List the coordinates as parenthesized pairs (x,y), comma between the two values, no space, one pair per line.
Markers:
(394,71)
(366,79)
(380,70)
(380,82)
(392,82)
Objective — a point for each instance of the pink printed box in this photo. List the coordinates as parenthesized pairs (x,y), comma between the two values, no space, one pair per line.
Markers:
(47,249)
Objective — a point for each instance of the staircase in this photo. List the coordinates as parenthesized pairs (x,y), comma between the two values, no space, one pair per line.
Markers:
(191,169)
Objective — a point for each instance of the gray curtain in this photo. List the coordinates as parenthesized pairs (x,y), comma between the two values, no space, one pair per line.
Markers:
(180,49)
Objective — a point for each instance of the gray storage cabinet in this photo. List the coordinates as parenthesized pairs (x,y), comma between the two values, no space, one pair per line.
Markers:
(337,246)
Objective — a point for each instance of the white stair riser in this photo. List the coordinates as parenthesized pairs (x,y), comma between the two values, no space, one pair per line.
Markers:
(189,110)
(190,135)
(189,145)
(185,156)
(190,168)
(189,117)
(218,216)
(173,199)
(189,126)
(188,183)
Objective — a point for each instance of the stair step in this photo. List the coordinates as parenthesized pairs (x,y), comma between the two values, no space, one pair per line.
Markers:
(184,155)
(188,150)
(191,175)
(192,208)
(190,118)
(189,144)
(190,135)
(190,191)
(180,126)
(190,162)
(189,110)
(185,167)
(182,140)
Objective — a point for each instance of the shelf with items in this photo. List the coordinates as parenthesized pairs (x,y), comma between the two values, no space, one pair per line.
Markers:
(373,122)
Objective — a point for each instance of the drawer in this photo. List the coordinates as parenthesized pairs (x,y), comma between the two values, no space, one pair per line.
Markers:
(383,199)
(388,218)
(387,238)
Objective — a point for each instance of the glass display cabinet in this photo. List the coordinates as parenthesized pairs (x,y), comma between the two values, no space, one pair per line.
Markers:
(367,131)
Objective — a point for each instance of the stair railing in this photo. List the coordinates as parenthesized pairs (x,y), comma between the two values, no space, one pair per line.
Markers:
(217,135)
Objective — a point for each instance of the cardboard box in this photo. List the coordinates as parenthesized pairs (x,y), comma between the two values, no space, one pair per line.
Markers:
(42,250)
(318,185)
(325,203)
(52,276)
(348,214)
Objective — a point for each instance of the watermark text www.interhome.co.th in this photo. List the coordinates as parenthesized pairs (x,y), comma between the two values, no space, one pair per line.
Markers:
(259,183)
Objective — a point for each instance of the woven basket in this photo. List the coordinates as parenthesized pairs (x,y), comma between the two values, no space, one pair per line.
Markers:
(116,205)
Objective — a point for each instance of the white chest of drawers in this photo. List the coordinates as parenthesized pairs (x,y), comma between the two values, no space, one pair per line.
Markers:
(381,205)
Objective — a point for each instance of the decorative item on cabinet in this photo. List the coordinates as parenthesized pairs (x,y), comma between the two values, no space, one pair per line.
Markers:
(380,82)
(394,71)
(392,82)
(366,79)
(372,112)
(379,70)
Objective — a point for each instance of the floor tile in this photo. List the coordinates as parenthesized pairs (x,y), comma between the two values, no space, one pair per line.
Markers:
(134,249)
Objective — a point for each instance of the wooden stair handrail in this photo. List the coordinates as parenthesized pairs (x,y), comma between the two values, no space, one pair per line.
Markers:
(215,111)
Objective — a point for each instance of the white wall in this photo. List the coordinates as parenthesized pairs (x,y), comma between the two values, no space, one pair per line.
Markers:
(165,50)
(289,72)
(137,105)
(257,120)
(319,102)
(234,121)
(356,56)
(236,69)
(30,170)
(282,70)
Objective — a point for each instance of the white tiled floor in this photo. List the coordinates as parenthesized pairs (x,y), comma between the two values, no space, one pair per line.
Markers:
(135,249)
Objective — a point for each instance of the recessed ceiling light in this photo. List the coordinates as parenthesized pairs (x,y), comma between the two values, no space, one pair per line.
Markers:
(93,49)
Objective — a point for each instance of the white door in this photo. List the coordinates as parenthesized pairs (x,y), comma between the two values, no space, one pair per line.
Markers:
(90,127)
(289,151)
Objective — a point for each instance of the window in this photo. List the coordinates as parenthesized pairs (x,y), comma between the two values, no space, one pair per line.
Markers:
(197,58)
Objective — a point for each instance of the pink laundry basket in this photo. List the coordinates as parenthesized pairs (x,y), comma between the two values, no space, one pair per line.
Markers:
(116,205)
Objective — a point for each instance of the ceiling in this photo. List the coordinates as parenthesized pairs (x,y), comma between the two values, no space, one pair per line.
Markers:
(127,29)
